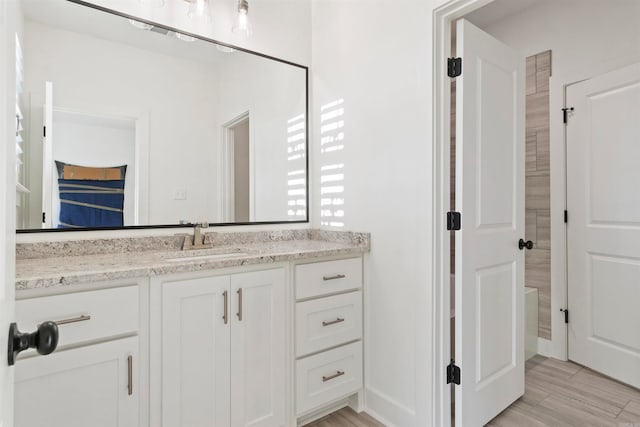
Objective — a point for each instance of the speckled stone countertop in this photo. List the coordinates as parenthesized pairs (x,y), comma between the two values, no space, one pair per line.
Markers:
(45,265)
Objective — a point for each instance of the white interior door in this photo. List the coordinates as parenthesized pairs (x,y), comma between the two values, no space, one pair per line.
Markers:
(47,158)
(7,204)
(489,266)
(603,174)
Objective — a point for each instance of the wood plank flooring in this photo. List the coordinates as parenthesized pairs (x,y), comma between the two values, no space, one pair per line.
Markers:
(346,417)
(566,394)
(557,394)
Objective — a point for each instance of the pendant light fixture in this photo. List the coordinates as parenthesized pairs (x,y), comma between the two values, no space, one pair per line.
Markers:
(199,10)
(242,25)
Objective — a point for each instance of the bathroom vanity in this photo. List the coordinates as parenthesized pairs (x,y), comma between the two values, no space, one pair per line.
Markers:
(264,329)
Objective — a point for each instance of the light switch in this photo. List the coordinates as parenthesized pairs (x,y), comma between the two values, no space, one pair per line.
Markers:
(180,194)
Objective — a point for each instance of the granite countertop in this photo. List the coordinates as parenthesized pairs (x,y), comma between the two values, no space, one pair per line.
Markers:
(68,266)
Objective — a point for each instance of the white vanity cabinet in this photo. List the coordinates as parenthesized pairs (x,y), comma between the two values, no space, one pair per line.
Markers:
(328,333)
(219,357)
(93,378)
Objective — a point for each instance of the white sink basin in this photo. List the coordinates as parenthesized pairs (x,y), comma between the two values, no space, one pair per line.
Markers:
(206,257)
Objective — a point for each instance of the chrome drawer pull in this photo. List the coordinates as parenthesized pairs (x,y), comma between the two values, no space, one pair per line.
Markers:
(239,313)
(333,322)
(130,375)
(82,318)
(330,377)
(334,277)
(225,315)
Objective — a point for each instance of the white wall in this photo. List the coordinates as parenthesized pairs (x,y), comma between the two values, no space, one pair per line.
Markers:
(96,76)
(376,57)
(587,38)
(273,93)
(112,143)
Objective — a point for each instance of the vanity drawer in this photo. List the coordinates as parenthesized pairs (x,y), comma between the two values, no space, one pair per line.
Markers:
(322,278)
(327,322)
(83,316)
(328,376)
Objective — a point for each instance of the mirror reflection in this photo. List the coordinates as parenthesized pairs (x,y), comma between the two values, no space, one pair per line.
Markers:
(119,123)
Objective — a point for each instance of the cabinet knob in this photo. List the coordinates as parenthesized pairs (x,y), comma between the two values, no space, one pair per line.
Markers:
(44,340)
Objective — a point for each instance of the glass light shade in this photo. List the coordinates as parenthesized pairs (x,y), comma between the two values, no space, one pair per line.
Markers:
(184,37)
(225,49)
(242,25)
(199,9)
(140,25)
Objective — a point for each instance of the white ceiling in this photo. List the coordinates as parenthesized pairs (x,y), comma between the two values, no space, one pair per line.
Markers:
(498,10)
(86,20)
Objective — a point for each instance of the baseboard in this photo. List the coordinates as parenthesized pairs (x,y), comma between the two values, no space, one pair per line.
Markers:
(386,410)
(324,411)
(545,347)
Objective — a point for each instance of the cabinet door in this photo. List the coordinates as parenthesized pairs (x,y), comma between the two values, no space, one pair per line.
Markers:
(257,349)
(88,386)
(195,353)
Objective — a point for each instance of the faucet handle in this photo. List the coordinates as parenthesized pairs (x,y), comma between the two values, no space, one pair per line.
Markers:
(188,242)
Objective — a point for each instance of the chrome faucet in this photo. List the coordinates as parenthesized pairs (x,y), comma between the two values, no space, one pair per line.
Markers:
(198,239)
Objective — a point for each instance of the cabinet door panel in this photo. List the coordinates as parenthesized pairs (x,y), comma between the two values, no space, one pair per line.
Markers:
(195,353)
(257,349)
(86,386)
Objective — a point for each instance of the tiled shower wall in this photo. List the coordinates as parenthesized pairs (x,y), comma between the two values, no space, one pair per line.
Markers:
(537,195)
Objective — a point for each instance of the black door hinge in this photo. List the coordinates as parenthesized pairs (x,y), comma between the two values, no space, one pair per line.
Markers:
(453,373)
(454,67)
(566,216)
(565,114)
(44,217)
(44,131)
(566,314)
(454,221)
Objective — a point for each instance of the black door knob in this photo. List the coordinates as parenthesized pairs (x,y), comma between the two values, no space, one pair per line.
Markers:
(44,340)
(522,244)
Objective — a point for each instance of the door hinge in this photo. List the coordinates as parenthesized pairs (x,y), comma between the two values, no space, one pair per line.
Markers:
(44,217)
(454,221)
(454,67)
(565,114)
(44,131)
(566,216)
(566,314)
(453,373)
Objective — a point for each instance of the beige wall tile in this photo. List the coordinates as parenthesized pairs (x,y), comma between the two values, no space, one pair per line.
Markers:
(531,75)
(537,192)
(543,61)
(537,111)
(542,149)
(543,229)
(530,222)
(531,151)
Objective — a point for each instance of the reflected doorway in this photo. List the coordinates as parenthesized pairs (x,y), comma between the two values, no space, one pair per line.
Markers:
(236,170)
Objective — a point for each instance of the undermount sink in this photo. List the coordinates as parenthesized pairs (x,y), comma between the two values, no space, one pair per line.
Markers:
(204,255)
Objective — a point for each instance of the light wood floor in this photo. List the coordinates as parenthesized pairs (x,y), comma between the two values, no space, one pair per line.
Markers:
(557,394)
(346,417)
(565,394)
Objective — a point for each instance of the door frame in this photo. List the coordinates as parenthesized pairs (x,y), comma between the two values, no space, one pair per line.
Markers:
(227,185)
(443,19)
(141,121)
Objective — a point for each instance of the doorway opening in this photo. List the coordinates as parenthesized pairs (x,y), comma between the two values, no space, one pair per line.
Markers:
(555,56)
(236,176)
